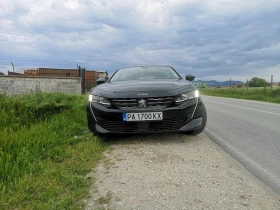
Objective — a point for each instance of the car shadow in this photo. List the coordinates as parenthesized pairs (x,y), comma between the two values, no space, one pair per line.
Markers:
(156,138)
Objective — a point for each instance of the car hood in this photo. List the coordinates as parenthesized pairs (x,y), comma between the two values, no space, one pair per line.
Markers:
(135,86)
(147,88)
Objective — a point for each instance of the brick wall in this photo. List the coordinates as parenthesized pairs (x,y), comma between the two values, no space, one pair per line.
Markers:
(90,79)
(17,85)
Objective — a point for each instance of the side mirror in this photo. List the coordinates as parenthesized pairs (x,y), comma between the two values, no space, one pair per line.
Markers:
(189,77)
(101,81)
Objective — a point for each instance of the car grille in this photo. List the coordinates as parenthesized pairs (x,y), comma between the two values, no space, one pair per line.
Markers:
(169,124)
(119,126)
(155,102)
(128,127)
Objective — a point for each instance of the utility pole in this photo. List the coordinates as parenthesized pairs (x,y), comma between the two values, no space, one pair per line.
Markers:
(13,66)
(247,84)
(230,83)
(271,81)
(82,72)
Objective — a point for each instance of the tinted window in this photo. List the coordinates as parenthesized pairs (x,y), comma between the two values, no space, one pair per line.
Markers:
(145,73)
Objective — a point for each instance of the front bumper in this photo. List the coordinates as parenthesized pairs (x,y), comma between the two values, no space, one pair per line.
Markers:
(183,117)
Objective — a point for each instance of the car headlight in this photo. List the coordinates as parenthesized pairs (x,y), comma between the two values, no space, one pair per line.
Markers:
(187,96)
(99,99)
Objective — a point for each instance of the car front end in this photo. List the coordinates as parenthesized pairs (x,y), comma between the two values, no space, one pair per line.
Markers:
(160,114)
(145,107)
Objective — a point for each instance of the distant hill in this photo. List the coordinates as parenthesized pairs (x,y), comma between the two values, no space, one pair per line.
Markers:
(214,83)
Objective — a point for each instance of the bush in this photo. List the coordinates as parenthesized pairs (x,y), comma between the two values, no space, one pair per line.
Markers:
(257,82)
(26,110)
(259,94)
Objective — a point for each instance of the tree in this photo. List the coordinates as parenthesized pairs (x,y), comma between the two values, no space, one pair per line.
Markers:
(257,82)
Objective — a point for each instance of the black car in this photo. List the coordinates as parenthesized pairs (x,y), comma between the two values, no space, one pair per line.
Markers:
(142,99)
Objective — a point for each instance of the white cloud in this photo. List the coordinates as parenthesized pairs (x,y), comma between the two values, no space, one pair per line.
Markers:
(212,39)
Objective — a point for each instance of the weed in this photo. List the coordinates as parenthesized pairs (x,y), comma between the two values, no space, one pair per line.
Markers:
(42,165)
(105,199)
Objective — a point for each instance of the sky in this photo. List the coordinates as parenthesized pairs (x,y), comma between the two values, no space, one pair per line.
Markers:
(211,39)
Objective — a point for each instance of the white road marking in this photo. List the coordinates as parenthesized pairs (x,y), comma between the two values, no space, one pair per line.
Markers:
(243,107)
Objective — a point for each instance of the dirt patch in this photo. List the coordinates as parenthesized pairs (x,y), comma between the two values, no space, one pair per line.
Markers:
(175,171)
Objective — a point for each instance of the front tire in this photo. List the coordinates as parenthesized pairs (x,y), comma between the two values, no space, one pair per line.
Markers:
(203,124)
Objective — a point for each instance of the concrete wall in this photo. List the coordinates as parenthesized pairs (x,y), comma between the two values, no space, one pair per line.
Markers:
(17,85)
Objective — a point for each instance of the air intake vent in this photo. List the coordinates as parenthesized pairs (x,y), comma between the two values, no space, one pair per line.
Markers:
(155,102)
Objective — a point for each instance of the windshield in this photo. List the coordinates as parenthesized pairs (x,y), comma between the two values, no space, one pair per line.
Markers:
(145,73)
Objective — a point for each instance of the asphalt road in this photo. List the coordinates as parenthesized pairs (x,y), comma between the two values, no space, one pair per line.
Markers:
(250,132)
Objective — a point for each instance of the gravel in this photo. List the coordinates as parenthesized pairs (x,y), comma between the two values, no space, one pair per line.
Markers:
(174,171)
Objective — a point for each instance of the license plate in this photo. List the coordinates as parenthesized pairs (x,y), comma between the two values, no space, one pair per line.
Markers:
(143,116)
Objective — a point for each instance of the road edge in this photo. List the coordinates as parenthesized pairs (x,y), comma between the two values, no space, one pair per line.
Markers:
(254,168)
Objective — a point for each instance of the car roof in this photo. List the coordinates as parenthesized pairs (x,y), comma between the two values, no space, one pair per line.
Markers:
(146,66)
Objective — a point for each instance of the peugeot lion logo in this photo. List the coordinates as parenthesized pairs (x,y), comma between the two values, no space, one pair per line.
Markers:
(142,103)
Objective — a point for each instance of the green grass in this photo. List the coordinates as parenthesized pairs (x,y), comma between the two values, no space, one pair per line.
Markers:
(258,94)
(45,151)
